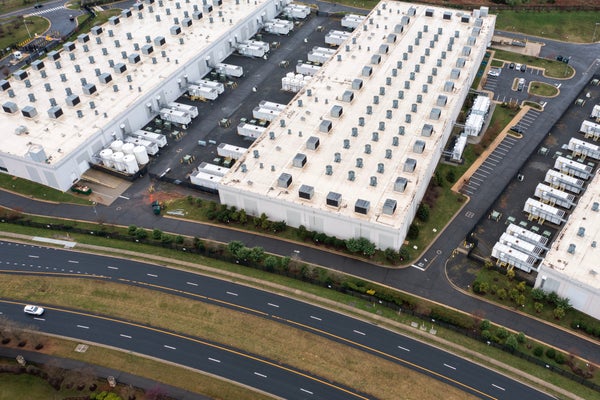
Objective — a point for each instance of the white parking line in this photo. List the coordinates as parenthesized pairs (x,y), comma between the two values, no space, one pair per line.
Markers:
(214,360)
(259,374)
(403,348)
(83,327)
(125,336)
(498,387)
(38,318)
(306,391)
(359,332)
(169,347)
(450,366)
(317,318)
(231,293)
(417,267)
(192,283)
(153,275)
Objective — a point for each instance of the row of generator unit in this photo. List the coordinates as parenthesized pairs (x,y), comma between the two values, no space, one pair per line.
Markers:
(352,21)
(320,54)
(595,115)
(230,70)
(296,11)
(175,116)
(205,90)
(590,130)
(307,68)
(192,110)
(279,26)
(208,176)
(336,38)
(253,48)
(151,147)
(267,111)
(520,248)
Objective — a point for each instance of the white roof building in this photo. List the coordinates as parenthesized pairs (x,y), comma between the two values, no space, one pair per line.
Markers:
(571,267)
(353,153)
(112,81)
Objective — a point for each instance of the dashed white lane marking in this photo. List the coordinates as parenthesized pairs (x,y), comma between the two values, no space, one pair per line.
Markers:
(498,387)
(125,336)
(231,293)
(32,256)
(317,318)
(83,327)
(73,261)
(214,360)
(359,332)
(306,391)
(273,305)
(259,374)
(403,348)
(450,366)
(169,347)
(153,275)
(192,283)
(109,267)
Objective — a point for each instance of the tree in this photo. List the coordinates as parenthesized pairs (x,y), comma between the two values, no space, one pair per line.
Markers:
(451,176)
(179,239)
(256,254)
(538,307)
(538,351)
(244,253)
(271,263)
(521,338)
(413,232)
(141,234)
(512,343)
(166,239)
(538,294)
(391,255)
(502,333)
(131,230)
(550,353)
(485,325)
(156,234)
(243,217)
(423,212)
(559,313)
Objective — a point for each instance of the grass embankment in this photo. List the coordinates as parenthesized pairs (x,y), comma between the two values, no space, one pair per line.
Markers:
(13,30)
(283,344)
(37,191)
(36,388)
(571,26)
(542,89)
(553,69)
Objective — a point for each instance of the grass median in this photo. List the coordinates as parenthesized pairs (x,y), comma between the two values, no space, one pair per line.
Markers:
(326,358)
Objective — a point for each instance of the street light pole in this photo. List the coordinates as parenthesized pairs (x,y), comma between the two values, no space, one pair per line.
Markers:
(595,27)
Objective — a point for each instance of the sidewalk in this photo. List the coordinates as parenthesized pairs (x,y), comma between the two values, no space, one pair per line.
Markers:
(101,372)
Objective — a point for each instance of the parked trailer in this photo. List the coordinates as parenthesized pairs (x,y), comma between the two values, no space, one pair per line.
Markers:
(320,55)
(573,168)
(272,106)
(212,169)
(549,195)
(229,150)
(151,148)
(543,212)
(202,92)
(527,235)
(159,139)
(513,257)
(192,110)
(590,130)
(336,38)
(179,117)
(307,69)
(264,114)
(352,21)
(583,148)
(205,180)
(521,245)
(218,86)
(561,181)
(249,130)
(230,70)
(296,11)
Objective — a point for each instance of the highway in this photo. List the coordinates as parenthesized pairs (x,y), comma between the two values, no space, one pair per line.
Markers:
(405,351)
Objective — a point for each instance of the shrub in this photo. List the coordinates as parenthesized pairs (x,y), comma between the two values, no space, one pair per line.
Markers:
(413,232)
(141,234)
(550,353)
(552,297)
(502,333)
(538,307)
(131,230)
(501,294)
(538,351)
(512,343)
(451,176)
(538,294)
(559,358)
(559,313)
(486,334)
(423,212)
(521,338)
(485,325)
(156,234)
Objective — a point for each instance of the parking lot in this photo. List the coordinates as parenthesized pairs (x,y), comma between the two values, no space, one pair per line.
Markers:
(508,208)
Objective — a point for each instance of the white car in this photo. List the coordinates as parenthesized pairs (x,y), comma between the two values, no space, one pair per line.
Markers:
(33,310)
(494,72)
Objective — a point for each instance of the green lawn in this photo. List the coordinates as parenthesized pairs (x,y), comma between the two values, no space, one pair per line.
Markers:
(13,30)
(554,69)
(572,26)
(30,387)
(542,89)
(38,191)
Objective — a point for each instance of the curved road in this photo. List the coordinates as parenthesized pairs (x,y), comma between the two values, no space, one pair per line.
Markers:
(365,336)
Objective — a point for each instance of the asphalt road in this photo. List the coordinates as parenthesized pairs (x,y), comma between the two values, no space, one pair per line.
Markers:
(397,348)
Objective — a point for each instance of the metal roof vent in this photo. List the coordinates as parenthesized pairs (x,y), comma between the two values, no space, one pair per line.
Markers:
(328,169)
(595,206)
(395,141)
(373,181)
(337,157)
(359,162)
(375,136)
(367,148)
(400,94)
(361,121)
(380,168)
(351,175)
(410,165)
(346,143)
(299,160)
(571,249)
(581,232)
(312,143)
(354,131)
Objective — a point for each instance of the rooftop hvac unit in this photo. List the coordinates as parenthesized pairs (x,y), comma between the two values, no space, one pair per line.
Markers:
(284,180)
(334,199)
(389,206)
(299,160)
(312,143)
(306,192)
(571,249)
(362,206)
